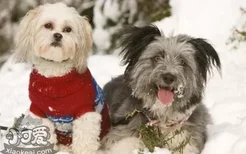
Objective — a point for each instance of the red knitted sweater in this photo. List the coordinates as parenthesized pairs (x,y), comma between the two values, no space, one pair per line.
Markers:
(71,95)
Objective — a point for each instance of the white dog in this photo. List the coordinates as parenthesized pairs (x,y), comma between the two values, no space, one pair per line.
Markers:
(56,40)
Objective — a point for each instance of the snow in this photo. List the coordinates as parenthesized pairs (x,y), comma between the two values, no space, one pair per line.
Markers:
(114,11)
(111,8)
(225,96)
(157,151)
(101,36)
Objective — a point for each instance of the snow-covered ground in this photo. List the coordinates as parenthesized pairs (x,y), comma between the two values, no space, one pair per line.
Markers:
(225,96)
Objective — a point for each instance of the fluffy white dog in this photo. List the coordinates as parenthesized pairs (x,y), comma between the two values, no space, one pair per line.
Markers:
(56,40)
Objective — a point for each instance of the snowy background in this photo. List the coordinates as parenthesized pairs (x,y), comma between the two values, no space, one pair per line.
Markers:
(225,96)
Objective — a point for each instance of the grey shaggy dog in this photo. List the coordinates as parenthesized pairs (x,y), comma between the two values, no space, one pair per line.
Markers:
(164,82)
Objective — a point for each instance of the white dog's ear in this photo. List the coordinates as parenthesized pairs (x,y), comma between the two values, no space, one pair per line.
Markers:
(24,37)
(85,46)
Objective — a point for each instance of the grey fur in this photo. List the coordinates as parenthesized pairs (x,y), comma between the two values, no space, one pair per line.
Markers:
(184,57)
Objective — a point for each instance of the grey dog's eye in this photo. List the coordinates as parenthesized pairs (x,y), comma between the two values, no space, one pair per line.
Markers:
(67,29)
(157,58)
(182,63)
(48,26)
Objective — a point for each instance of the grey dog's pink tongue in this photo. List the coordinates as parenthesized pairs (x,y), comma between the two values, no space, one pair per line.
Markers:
(165,96)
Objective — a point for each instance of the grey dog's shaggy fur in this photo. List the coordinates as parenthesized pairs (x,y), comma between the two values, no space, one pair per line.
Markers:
(150,58)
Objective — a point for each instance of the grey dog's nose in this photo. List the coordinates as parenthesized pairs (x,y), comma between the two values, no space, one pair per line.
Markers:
(57,37)
(169,78)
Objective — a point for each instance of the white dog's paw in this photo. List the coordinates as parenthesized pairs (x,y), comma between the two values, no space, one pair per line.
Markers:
(86,131)
(92,117)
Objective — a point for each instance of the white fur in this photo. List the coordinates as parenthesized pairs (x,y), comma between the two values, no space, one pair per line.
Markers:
(86,131)
(51,69)
(34,45)
(33,42)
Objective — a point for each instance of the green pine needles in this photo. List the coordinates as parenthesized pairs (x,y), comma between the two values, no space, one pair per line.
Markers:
(152,137)
(238,34)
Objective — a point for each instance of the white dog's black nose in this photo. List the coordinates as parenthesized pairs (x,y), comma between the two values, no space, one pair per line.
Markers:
(58,37)
(169,78)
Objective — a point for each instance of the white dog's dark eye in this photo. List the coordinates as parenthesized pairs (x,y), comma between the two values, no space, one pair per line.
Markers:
(67,29)
(48,26)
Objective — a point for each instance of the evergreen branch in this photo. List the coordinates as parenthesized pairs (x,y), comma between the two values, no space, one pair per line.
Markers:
(182,145)
(152,137)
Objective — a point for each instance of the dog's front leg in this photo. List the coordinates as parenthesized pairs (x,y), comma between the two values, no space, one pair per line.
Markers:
(86,131)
